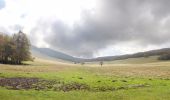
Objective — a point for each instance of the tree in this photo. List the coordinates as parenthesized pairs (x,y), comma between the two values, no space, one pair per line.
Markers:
(101,63)
(14,49)
(1,47)
(7,51)
(22,47)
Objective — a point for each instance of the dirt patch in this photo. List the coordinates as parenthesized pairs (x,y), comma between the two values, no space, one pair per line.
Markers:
(72,86)
(18,83)
(56,85)
(39,84)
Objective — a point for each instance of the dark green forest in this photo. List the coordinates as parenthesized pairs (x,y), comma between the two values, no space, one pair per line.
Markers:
(14,48)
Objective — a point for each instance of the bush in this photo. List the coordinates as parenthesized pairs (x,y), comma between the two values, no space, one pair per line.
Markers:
(164,57)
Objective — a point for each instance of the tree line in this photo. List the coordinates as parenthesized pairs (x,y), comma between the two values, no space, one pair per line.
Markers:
(14,49)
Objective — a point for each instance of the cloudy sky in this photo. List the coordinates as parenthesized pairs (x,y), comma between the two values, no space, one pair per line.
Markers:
(90,28)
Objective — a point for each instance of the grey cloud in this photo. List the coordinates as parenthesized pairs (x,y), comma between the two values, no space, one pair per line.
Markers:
(116,21)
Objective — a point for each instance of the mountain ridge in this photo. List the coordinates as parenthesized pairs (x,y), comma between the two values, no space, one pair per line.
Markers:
(50,53)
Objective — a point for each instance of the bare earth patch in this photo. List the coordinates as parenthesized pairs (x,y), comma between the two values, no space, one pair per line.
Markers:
(18,83)
(54,85)
(39,84)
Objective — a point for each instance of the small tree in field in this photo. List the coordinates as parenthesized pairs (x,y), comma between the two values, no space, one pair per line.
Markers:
(101,63)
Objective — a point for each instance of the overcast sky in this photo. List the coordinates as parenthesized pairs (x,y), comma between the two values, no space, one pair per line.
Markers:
(90,28)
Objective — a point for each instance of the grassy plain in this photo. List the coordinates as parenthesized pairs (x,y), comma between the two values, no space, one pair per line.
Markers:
(130,79)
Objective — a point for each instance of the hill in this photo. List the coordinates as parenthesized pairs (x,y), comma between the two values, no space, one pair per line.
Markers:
(53,54)
(146,54)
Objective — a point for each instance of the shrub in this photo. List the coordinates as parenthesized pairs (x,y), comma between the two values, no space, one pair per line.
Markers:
(164,57)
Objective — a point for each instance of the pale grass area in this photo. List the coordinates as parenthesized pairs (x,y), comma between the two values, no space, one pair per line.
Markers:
(39,65)
(135,67)
(145,69)
(156,69)
(149,77)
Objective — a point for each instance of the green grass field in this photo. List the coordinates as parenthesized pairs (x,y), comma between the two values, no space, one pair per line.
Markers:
(131,79)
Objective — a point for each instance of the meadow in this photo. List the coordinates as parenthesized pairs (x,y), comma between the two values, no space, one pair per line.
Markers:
(130,79)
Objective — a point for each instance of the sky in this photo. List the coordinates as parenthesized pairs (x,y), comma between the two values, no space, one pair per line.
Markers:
(90,28)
